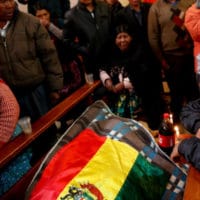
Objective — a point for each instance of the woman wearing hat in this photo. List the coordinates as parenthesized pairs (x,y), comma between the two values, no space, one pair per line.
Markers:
(128,74)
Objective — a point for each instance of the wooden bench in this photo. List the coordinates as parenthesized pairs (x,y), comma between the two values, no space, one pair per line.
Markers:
(21,142)
(192,188)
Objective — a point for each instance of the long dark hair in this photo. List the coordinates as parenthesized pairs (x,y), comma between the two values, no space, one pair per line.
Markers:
(39,6)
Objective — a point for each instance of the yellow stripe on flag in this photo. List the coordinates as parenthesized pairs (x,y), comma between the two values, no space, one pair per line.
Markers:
(106,170)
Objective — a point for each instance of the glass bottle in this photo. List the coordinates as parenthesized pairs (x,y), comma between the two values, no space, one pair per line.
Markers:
(166,135)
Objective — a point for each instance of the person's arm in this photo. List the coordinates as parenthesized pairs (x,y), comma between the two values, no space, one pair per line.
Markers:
(127,84)
(106,80)
(108,83)
(55,31)
(190,116)
(50,62)
(104,76)
(190,149)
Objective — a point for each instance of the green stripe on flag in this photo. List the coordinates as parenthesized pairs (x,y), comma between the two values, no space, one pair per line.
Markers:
(144,181)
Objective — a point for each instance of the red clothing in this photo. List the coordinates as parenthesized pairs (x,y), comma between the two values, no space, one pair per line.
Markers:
(148,1)
(9,112)
(192,23)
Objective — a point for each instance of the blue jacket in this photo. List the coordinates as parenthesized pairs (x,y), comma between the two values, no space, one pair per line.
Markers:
(190,149)
(190,116)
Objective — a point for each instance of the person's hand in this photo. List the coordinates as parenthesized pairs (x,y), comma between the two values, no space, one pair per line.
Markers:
(198,133)
(119,87)
(45,22)
(176,157)
(54,97)
(109,85)
(175,154)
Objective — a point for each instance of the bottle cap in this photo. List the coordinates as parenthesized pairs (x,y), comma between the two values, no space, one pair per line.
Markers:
(165,115)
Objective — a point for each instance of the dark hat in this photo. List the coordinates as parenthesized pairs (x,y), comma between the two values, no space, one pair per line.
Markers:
(122,28)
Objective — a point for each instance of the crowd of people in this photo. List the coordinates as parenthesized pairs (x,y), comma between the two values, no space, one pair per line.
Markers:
(45,54)
(55,57)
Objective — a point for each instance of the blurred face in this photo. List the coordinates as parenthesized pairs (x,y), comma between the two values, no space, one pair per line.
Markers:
(43,15)
(134,3)
(86,2)
(111,2)
(7,8)
(123,41)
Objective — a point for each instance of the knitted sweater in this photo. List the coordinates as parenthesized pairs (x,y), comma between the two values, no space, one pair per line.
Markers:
(9,112)
(166,31)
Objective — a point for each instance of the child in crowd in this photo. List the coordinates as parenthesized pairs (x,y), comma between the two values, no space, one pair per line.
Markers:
(71,64)
(57,8)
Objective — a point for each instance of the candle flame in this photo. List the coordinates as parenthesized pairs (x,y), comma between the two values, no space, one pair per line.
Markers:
(171,118)
(176,128)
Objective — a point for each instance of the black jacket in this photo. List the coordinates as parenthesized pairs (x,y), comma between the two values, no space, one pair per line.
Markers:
(190,116)
(128,16)
(92,33)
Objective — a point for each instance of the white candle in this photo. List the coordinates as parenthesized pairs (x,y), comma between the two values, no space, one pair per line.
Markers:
(171,118)
(177,132)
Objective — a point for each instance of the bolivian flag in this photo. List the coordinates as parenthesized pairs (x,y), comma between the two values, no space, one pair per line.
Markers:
(95,167)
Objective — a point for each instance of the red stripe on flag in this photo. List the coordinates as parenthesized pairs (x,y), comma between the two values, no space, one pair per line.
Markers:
(64,164)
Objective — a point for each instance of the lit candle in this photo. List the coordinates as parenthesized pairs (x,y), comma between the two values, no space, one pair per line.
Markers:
(171,118)
(177,133)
